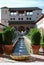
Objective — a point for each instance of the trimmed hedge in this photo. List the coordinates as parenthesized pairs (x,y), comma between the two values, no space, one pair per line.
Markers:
(35,36)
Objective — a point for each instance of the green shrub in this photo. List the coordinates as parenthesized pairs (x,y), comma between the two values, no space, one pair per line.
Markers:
(35,36)
(12,29)
(1,38)
(5,28)
(7,36)
(13,33)
(43,38)
(1,42)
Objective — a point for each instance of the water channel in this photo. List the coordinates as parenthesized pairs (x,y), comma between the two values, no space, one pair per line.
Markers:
(20,48)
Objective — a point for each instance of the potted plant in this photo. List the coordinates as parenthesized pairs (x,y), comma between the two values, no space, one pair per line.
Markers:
(35,39)
(7,41)
(43,42)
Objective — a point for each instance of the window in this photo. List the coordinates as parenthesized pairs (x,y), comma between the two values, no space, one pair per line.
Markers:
(23,14)
(27,18)
(11,13)
(31,13)
(21,18)
(15,13)
(30,18)
(27,13)
(18,18)
(20,14)
(37,13)
(13,18)
(10,18)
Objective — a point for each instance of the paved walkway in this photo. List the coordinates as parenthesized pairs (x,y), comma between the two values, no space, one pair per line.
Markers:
(28,44)
(6,60)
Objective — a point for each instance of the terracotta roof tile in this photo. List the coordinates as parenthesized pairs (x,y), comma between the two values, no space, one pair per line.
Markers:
(42,16)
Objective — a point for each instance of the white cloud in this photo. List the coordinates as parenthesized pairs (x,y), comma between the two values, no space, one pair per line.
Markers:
(20,3)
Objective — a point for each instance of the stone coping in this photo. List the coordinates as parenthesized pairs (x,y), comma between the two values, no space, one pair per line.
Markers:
(28,44)
(23,57)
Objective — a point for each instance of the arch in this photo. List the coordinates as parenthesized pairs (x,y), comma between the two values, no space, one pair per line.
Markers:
(27,28)
(21,28)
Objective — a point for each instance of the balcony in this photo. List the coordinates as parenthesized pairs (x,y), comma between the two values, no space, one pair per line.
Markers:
(21,22)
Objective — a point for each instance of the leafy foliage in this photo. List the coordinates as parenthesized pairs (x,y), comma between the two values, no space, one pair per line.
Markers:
(7,37)
(35,36)
(1,38)
(43,38)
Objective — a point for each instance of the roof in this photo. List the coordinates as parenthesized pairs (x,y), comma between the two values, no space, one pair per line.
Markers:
(4,7)
(42,16)
(24,8)
(3,24)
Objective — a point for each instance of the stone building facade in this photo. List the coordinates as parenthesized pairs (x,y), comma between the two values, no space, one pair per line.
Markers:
(20,18)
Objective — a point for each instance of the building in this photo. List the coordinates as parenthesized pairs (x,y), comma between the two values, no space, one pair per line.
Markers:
(20,18)
(2,26)
(40,23)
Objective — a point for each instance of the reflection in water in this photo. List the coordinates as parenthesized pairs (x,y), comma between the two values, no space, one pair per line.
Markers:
(20,48)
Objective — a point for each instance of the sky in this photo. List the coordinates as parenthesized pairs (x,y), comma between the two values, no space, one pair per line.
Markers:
(22,3)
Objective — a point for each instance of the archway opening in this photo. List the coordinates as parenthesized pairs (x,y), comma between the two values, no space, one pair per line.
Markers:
(21,28)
